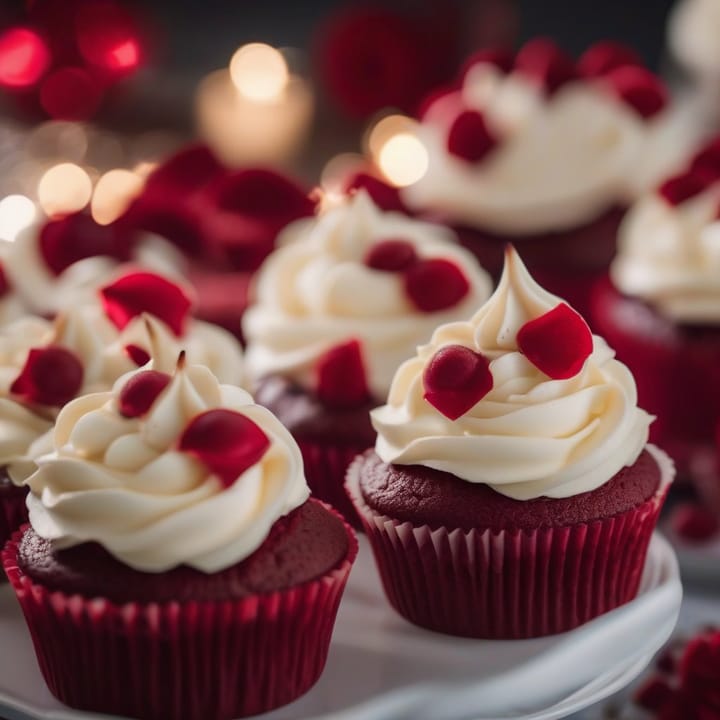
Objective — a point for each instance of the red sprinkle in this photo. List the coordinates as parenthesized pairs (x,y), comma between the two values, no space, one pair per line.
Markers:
(138,355)
(469,137)
(140,392)
(385,196)
(639,89)
(393,255)
(603,57)
(543,61)
(435,284)
(51,376)
(341,380)
(680,188)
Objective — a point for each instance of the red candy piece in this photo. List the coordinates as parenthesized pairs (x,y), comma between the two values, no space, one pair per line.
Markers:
(680,188)
(51,376)
(435,284)
(4,282)
(602,57)
(639,89)
(499,58)
(469,137)
(694,523)
(456,379)
(385,196)
(140,292)
(391,255)
(138,355)
(141,391)
(341,378)
(226,442)
(557,343)
(542,61)
(654,694)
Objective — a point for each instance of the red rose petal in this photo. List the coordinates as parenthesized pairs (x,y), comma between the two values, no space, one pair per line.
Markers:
(4,282)
(558,343)
(654,694)
(602,57)
(500,58)
(542,60)
(226,442)
(341,380)
(456,379)
(140,292)
(51,376)
(67,240)
(435,284)
(140,392)
(138,355)
(694,523)
(639,89)
(680,188)
(391,255)
(385,196)
(469,137)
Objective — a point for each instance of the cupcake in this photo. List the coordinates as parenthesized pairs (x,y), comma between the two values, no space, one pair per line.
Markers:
(511,493)
(542,151)
(338,309)
(660,307)
(44,365)
(174,565)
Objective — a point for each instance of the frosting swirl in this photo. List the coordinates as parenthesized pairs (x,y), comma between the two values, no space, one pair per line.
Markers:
(125,482)
(530,435)
(693,27)
(318,291)
(555,160)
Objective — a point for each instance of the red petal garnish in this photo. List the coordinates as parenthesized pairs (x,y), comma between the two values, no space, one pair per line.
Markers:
(543,61)
(499,58)
(341,380)
(707,161)
(391,255)
(557,343)
(385,196)
(226,442)
(602,57)
(140,392)
(680,188)
(4,282)
(456,379)
(654,694)
(694,523)
(470,137)
(140,292)
(639,89)
(435,284)
(138,355)
(67,240)
(51,376)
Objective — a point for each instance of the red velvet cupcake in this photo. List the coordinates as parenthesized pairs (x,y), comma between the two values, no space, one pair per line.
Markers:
(339,308)
(543,151)
(174,566)
(510,493)
(660,308)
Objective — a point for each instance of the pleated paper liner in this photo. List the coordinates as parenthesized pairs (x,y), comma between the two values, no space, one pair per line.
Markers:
(510,584)
(181,661)
(13,513)
(325,470)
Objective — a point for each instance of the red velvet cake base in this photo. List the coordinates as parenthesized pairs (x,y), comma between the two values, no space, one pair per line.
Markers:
(13,511)
(676,369)
(197,660)
(508,582)
(565,263)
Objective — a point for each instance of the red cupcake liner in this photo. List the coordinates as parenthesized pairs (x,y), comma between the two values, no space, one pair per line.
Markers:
(181,661)
(13,513)
(325,470)
(510,584)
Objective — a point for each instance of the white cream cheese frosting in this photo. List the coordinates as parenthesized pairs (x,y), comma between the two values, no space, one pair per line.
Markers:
(560,161)
(316,292)
(125,483)
(530,435)
(669,254)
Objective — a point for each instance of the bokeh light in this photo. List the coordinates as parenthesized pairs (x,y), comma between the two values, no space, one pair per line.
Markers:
(63,189)
(16,213)
(259,72)
(403,159)
(113,193)
(24,58)
(70,93)
(383,130)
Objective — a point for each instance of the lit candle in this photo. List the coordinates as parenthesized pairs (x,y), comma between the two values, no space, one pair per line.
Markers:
(256,111)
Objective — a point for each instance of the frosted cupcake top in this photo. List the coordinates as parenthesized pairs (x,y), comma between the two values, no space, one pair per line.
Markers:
(522,398)
(537,142)
(341,306)
(136,317)
(669,243)
(694,28)
(165,471)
